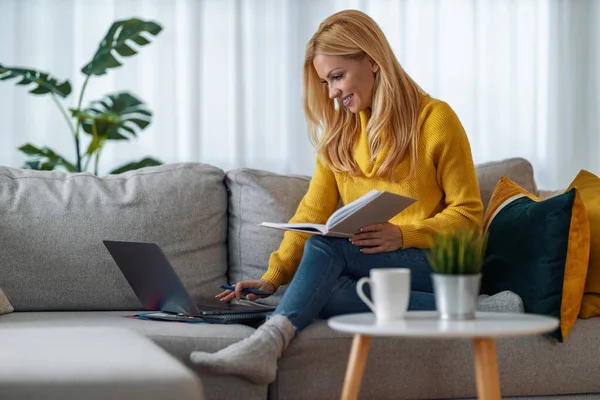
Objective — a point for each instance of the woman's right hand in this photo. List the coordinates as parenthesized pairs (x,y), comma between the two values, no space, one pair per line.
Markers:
(228,295)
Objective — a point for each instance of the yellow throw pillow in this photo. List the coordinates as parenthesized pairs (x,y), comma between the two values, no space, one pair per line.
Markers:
(5,306)
(505,192)
(538,250)
(588,185)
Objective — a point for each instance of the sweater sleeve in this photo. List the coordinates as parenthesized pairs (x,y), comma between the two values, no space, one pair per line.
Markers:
(317,206)
(451,153)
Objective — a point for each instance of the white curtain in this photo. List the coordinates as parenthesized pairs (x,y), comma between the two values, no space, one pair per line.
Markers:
(223,78)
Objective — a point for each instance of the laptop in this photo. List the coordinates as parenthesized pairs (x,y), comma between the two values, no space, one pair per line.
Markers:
(157,286)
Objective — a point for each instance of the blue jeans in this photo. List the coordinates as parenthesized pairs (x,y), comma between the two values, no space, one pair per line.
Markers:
(325,283)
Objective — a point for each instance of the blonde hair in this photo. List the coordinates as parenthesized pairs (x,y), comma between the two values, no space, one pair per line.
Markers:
(396,104)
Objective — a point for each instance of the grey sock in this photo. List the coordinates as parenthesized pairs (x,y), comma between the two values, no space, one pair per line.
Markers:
(255,357)
(506,301)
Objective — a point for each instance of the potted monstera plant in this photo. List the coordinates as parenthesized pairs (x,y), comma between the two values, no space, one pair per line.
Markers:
(118,116)
(457,258)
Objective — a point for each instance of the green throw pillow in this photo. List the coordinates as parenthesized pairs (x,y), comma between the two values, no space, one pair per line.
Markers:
(537,250)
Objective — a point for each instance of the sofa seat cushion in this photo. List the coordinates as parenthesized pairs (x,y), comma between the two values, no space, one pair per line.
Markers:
(179,339)
(430,368)
(52,225)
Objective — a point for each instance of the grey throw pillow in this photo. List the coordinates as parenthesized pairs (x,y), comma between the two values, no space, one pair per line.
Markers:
(5,306)
(505,301)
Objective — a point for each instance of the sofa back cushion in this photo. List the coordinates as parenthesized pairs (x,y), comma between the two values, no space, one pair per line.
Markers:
(517,170)
(52,225)
(259,196)
(254,197)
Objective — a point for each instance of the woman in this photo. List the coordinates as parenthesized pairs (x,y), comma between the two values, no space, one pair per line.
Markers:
(379,131)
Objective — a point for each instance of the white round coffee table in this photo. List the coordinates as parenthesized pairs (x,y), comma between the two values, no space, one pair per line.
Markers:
(426,324)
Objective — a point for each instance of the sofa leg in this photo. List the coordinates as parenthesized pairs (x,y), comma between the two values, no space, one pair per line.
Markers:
(356,366)
(486,369)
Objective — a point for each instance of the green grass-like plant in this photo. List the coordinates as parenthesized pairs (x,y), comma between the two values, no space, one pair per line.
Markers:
(457,252)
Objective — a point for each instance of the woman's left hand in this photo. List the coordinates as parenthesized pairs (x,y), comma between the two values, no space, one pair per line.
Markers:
(379,237)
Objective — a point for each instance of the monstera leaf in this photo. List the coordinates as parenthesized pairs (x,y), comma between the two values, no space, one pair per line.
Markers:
(118,116)
(44,83)
(45,159)
(146,162)
(119,39)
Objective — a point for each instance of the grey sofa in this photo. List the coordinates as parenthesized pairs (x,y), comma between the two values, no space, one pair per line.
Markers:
(56,272)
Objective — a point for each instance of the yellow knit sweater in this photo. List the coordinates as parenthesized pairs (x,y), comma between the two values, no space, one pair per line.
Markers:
(445,187)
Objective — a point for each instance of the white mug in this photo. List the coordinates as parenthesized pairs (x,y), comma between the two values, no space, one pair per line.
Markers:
(390,291)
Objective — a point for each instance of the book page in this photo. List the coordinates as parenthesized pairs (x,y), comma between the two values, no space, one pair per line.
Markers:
(351,207)
(378,209)
(299,227)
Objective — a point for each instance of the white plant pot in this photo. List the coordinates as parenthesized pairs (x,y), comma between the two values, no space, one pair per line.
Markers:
(456,295)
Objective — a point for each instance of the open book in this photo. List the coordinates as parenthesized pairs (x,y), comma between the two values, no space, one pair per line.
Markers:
(372,208)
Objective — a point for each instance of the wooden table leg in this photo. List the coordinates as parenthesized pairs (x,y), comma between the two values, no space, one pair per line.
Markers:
(486,369)
(356,366)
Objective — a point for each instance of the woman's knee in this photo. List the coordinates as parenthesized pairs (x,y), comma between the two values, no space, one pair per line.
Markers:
(343,299)
(319,240)
(412,256)
(321,243)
